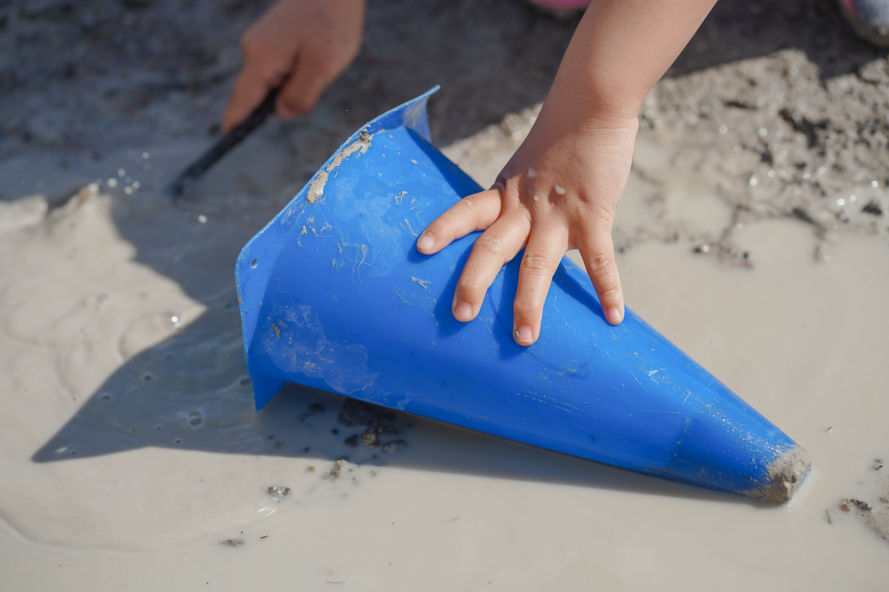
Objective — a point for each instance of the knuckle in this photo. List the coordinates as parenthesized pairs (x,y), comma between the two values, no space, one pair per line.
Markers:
(522,212)
(527,307)
(600,216)
(465,207)
(536,262)
(609,291)
(299,107)
(599,262)
(297,103)
(489,244)
(469,289)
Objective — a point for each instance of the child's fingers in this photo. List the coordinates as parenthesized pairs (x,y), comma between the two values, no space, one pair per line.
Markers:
(495,247)
(303,89)
(473,212)
(317,66)
(250,89)
(539,262)
(597,250)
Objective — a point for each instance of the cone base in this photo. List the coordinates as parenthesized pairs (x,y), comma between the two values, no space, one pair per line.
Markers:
(786,473)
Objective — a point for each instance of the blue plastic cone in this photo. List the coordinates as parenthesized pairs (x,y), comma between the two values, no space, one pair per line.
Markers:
(334,295)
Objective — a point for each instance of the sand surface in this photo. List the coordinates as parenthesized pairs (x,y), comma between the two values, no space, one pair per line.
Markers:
(753,234)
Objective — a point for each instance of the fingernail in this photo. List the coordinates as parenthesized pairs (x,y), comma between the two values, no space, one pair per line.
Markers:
(523,335)
(425,243)
(463,312)
(614,315)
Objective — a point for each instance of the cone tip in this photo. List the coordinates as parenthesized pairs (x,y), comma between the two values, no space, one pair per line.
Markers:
(786,474)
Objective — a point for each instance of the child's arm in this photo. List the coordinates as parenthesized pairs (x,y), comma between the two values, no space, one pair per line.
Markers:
(304,45)
(560,189)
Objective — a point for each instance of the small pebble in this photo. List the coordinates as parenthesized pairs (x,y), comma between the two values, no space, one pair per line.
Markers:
(873,208)
(370,438)
(278,491)
(335,470)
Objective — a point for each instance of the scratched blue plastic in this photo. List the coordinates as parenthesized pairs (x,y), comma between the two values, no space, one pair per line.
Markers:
(334,295)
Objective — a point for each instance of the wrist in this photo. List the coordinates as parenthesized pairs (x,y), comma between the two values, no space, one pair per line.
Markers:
(568,109)
(610,94)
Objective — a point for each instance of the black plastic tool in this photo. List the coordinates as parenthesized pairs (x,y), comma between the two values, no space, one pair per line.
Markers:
(193,172)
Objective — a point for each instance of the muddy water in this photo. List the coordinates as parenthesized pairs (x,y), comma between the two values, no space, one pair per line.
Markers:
(132,457)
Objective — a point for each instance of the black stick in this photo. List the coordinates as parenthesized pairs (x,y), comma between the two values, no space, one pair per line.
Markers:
(221,147)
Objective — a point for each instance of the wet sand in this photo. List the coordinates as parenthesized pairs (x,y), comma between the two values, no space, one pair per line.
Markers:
(133,448)
(133,458)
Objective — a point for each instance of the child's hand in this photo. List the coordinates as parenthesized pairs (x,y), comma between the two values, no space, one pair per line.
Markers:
(304,45)
(559,191)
